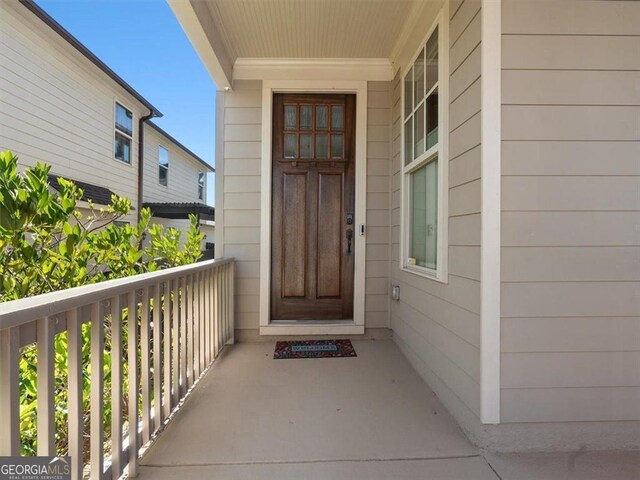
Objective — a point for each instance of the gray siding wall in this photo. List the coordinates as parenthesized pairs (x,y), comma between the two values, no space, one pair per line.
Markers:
(240,184)
(57,107)
(437,325)
(571,210)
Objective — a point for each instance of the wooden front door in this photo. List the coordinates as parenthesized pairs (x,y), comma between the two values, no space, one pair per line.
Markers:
(313,219)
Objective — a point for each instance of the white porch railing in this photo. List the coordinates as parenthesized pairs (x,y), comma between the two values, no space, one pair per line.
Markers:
(183,318)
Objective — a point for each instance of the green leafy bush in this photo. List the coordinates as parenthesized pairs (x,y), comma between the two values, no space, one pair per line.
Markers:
(48,243)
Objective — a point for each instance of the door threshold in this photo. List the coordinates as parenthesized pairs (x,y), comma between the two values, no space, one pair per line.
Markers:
(312,327)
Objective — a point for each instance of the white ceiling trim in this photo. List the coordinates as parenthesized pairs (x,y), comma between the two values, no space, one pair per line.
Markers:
(372,69)
(409,25)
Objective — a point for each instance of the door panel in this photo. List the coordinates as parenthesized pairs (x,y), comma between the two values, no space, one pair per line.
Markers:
(330,213)
(294,234)
(313,182)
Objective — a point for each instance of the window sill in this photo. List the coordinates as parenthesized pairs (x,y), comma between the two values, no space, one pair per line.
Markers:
(436,276)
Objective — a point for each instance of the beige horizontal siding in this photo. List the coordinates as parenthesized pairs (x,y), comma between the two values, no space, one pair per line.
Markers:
(182,185)
(564,369)
(553,264)
(570,52)
(437,324)
(570,334)
(570,404)
(557,229)
(570,17)
(557,158)
(575,193)
(571,207)
(58,108)
(569,87)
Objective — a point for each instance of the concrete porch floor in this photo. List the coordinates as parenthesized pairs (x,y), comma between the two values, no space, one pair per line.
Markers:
(368,417)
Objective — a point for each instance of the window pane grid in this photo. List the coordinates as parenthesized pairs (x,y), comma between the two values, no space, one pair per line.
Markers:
(421,162)
(313,132)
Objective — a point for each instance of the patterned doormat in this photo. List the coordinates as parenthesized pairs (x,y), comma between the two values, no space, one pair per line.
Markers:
(314,349)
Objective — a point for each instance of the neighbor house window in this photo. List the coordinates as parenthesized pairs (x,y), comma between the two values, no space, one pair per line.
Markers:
(422,129)
(200,185)
(123,134)
(163,165)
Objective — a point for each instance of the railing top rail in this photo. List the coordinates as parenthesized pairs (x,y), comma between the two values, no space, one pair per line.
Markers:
(25,310)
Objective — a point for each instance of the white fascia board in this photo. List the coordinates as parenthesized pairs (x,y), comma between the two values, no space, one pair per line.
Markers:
(212,53)
(370,69)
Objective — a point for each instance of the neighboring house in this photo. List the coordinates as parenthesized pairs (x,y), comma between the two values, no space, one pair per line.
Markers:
(175,183)
(63,106)
(480,158)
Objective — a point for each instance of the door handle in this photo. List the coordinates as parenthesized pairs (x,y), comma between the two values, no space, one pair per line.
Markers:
(349,238)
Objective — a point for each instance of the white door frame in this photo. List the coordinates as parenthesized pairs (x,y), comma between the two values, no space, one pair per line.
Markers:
(324,327)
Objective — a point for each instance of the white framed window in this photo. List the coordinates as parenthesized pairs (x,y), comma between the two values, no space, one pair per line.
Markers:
(425,157)
(123,133)
(163,165)
(201,177)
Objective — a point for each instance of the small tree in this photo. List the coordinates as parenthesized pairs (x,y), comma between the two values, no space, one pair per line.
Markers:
(47,243)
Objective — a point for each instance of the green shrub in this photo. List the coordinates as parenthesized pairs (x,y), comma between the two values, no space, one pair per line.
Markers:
(46,244)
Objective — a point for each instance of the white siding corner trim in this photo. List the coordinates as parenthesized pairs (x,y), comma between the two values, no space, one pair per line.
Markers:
(269,87)
(490,238)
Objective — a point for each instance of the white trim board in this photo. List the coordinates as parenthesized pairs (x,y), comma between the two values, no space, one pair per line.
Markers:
(490,236)
(372,69)
(269,87)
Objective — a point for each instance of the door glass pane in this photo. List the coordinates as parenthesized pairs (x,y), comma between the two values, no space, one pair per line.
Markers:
(418,84)
(322,146)
(290,144)
(337,146)
(337,117)
(432,119)
(418,132)
(322,117)
(432,60)
(408,93)
(290,122)
(424,216)
(408,141)
(306,117)
(305,146)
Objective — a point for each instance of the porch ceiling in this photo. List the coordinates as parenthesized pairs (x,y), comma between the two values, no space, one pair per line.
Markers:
(231,33)
(311,28)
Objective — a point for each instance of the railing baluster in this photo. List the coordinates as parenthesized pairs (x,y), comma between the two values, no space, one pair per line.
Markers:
(207,316)
(196,325)
(145,366)
(183,336)
(97,393)
(175,327)
(116,388)
(232,302)
(225,303)
(189,301)
(167,349)
(132,340)
(9,393)
(45,428)
(75,380)
(216,312)
(157,358)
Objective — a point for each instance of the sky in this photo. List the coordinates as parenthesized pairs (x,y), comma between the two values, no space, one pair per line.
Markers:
(143,43)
